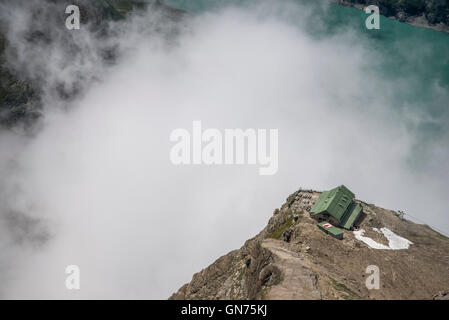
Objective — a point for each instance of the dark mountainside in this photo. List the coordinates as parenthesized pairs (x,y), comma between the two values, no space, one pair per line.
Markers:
(433,14)
(292,259)
(20,93)
(18,99)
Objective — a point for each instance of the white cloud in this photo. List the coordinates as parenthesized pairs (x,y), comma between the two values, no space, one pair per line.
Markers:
(100,178)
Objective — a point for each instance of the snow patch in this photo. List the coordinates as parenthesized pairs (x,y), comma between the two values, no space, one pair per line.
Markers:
(395,242)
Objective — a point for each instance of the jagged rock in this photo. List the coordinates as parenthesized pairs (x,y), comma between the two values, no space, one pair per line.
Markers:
(286,235)
(442,295)
(269,275)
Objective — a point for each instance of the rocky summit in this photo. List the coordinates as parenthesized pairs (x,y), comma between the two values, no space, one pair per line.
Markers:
(292,258)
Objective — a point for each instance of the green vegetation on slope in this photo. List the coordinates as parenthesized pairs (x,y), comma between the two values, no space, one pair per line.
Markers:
(277,233)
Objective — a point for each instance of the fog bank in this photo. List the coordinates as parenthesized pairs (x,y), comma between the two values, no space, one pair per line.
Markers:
(95,186)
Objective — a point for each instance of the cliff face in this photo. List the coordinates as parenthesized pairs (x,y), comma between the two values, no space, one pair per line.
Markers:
(292,259)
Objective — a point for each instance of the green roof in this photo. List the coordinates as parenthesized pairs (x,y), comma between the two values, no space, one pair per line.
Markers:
(320,204)
(339,204)
(330,229)
(351,215)
(334,202)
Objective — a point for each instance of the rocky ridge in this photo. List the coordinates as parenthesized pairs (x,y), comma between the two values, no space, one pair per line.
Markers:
(292,259)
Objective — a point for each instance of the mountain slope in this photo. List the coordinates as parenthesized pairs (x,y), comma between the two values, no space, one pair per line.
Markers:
(296,260)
